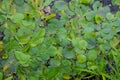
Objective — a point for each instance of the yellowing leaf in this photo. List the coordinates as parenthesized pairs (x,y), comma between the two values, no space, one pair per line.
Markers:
(81,58)
(98,19)
(5,68)
(1,46)
(86,2)
(50,16)
(66,76)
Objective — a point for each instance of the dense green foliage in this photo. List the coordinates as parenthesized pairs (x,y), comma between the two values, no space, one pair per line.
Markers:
(59,40)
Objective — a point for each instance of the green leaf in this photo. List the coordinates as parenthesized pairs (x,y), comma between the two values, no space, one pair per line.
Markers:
(80,65)
(44,56)
(1,75)
(24,41)
(91,43)
(28,24)
(66,63)
(62,33)
(22,77)
(114,42)
(54,63)
(46,2)
(117,14)
(69,55)
(88,29)
(21,2)
(116,2)
(17,18)
(98,19)
(52,51)
(91,65)
(51,72)
(23,58)
(86,2)
(82,44)
(103,11)
(37,37)
(110,16)
(90,15)
(92,54)
(58,5)
(9,78)
(81,58)
(66,76)
(96,5)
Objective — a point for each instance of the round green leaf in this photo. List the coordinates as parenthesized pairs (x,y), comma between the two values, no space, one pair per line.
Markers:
(81,58)
(82,44)
(59,3)
(52,51)
(92,54)
(54,63)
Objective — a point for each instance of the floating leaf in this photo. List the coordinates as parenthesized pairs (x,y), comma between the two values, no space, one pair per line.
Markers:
(50,16)
(66,76)
(23,58)
(17,18)
(68,54)
(96,5)
(58,5)
(103,11)
(37,37)
(82,44)
(110,16)
(54,63)
(52,51)
(92,54)
(44,56)
(90,15)
(81,58)
(91,65)
(86,2)
(98,19)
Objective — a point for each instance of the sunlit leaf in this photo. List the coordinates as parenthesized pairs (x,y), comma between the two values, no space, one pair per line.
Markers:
(81,58)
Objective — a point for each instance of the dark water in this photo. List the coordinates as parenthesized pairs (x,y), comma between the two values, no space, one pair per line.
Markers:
(113,8)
